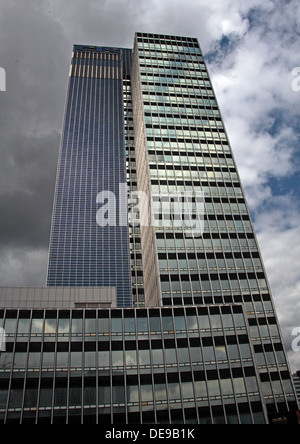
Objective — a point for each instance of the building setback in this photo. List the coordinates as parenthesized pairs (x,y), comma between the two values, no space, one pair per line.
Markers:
(166,319)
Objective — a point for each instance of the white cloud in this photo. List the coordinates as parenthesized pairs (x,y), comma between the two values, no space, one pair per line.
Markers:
(279,238)
(253,87)
(23,268)
(261,111)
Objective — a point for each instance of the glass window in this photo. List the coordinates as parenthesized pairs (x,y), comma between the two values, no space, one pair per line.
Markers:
(155,325)
(46,397)
(216,321)
(146,393)
(104,395)
(254,331)
(180,323)
(200,389)
(63,326)
(281,357)
(37,326)
(48,360)
(30,400)
(174,391)
(226,387)
(221,353)
(227,320)
(6,360)
(90,359)
(186,286)
(20,360)
(133,393)
(270,358)
(3,398)
(89,396)
(50,326)
(239,385)
(142,324)
(274,330)
(165,286)
(76,326)
(129,325)
(10,326)
(171,357)
(225,284)
(209,354)
(118,395)
(204,322)
(287,385)
(116,325)
(213,388)
(239,320)
(160,391)
(244,284)
(15,399)
(131,358)
(192,323)
(117,359)
(245,351)
(196,354)
(183,355)
(251,383)
(90,326)
(75,396)
(264,331)
(157,356)
(187,390)
(24,325)
(144,357)
(168,324)
(277,388)
(34,360)
(76,359)
(175,286)
(261,359)
(233,352)
(60,399)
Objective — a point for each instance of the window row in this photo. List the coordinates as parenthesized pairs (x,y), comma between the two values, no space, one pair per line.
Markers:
(208,355)
(115,321)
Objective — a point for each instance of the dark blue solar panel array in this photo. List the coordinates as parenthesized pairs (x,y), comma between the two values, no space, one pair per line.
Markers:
(92,160)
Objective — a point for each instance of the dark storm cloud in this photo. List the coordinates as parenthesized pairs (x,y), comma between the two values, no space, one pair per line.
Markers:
(33,52)
(27,185)
(36,43)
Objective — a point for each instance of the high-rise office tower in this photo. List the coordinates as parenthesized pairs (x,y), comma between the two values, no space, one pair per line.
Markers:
(197,339)
(92,160)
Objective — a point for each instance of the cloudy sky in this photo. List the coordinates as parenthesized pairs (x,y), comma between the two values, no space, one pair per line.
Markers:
(251,47)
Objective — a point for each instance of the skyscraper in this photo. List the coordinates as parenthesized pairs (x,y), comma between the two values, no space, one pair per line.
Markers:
(192,336)
(92,160)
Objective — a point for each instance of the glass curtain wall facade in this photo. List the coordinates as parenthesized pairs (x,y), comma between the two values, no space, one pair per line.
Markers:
(92,161)
(132,366)
(182,146)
